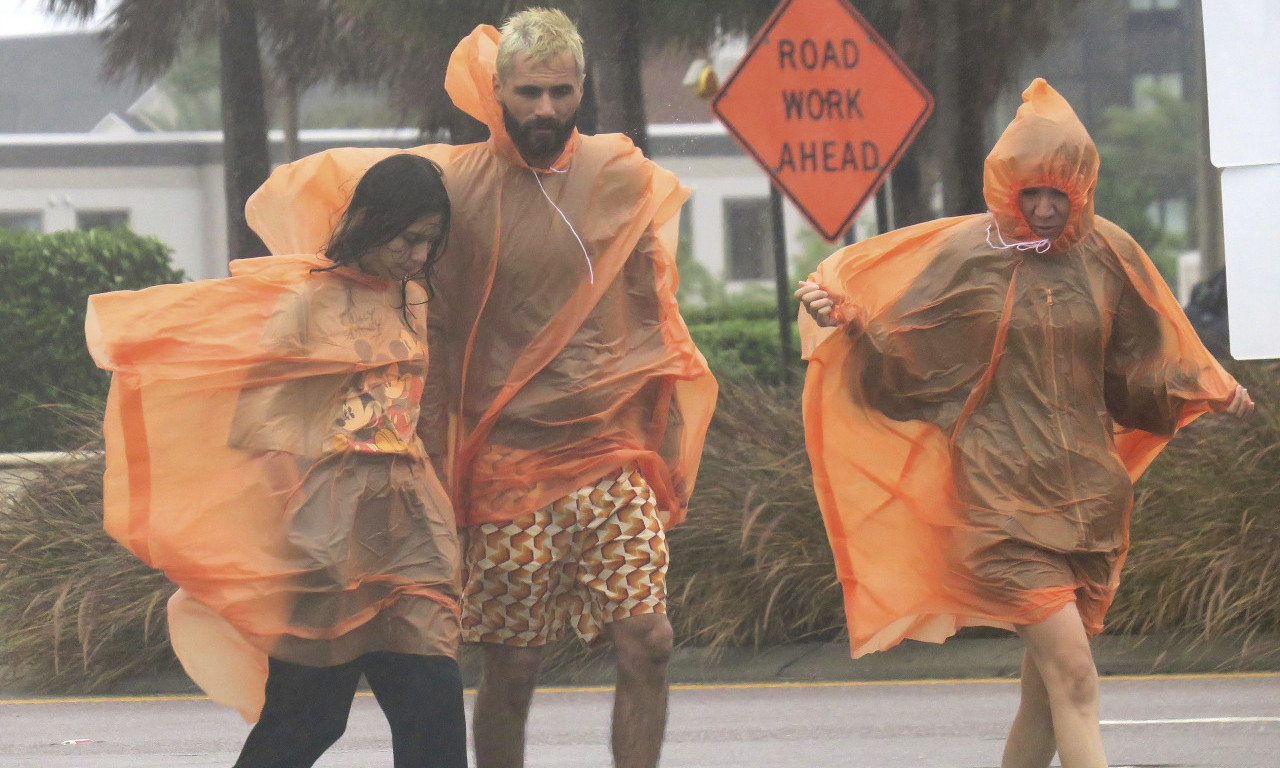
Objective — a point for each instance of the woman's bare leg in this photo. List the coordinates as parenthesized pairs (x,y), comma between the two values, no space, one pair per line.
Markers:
(1030,743)
(1059,647)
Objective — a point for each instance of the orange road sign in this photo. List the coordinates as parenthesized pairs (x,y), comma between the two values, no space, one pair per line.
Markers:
(824,106)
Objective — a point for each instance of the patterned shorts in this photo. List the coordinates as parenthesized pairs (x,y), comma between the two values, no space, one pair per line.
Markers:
(593,557)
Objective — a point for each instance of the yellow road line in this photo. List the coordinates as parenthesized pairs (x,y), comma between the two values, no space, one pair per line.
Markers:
(692,687)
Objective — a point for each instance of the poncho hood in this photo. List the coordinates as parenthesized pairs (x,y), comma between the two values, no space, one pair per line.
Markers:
(469,83)
(1045,145)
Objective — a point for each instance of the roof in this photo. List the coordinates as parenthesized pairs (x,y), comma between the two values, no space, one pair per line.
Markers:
(191,148)
(53,84)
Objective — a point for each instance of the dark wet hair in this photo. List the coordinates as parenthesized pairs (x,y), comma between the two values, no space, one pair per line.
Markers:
(393,194)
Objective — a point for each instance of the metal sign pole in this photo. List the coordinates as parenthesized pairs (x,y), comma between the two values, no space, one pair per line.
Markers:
(783,281)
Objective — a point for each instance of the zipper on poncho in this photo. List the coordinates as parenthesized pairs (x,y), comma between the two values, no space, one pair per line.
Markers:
(1051,343)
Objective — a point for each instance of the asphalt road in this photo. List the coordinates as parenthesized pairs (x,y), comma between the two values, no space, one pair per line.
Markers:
(1210,721)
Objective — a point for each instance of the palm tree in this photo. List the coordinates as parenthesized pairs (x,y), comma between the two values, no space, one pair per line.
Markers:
(408,43)
(143,38)
(308,42)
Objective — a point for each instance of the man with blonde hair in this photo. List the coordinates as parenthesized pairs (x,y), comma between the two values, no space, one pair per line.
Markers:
(584,545)
(565,402)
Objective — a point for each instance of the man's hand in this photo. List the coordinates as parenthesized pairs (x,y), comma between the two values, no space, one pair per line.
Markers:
(816,302)
(1241,405)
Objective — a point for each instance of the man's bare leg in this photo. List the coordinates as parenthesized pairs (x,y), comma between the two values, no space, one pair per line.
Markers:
(1059,646)
(643,647)
(1030,743)
(502,704)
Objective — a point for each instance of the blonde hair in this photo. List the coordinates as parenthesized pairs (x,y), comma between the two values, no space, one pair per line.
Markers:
(541,34)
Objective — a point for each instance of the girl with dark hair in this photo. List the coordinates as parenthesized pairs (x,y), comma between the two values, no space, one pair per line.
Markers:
(399,205)
(262,450)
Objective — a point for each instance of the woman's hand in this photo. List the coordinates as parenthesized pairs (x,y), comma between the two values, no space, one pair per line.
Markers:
(817,303)
(1241,405)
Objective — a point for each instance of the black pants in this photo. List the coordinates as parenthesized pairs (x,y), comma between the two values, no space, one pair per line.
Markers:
(306,711)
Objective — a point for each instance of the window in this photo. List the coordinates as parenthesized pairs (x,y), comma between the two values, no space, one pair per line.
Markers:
(1154,5)
(749,235)
(1147,86)
(86,220)
(22,221)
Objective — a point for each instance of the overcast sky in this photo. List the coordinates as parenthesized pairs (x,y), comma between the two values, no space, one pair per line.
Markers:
(24,17)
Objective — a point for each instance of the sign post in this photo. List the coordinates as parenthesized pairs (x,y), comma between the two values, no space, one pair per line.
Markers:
(822,104)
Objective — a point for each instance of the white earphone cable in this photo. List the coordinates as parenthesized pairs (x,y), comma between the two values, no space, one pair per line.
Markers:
(591,272)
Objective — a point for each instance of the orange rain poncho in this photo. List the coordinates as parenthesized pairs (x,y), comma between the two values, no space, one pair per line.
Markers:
(977,420)
(550,368)
(261,450)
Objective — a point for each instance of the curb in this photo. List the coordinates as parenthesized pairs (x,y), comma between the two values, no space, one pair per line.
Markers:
(957,659)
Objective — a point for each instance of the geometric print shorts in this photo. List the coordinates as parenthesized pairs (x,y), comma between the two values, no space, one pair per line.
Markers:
(593,557)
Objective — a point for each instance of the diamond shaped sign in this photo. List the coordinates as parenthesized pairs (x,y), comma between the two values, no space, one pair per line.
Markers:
(824,106)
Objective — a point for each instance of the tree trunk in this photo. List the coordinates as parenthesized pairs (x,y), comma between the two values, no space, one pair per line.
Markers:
(974,95)
(961,109)
(910,197)
(947,95)
(612,32)
(462,128)
(292,120)
(1209,179)
(244,123)
(587,117)
(915,40)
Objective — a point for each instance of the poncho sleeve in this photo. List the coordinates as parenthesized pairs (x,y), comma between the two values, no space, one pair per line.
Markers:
(1159,376)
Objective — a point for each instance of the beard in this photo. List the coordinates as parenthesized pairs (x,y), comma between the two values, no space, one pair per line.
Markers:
(539,146)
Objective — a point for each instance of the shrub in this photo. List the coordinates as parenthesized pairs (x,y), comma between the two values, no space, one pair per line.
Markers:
(77,610)
(751,567)
(740,340)
(44,283)
(1206,526)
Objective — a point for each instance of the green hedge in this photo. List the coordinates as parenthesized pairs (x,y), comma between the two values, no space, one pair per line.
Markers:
(44,283)
(740,340)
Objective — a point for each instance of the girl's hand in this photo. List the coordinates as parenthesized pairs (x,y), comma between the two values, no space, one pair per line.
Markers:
(1241,405)
(816,302)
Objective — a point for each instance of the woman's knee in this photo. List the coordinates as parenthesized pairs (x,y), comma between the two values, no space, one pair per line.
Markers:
(327,727)
(1073,677)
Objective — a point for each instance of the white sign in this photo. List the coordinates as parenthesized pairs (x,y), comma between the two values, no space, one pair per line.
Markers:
(1249,194)
(1242,65)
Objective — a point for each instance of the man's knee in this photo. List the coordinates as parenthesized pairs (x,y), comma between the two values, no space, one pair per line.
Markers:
(642,643)
(511,670)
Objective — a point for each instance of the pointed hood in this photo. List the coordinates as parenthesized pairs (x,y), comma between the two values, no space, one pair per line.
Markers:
(469,82)
(1046,145)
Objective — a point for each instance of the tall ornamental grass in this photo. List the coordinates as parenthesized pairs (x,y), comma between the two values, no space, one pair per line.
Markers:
(1205,558)
(751,567)
(77,611)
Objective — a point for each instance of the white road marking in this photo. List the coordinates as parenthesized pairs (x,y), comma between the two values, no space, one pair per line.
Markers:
(1194,721)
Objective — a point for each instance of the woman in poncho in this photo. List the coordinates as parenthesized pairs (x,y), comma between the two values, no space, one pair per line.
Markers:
(982,392)
(262,451)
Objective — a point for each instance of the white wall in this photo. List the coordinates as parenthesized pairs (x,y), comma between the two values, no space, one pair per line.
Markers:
(181,206)
(712,180)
